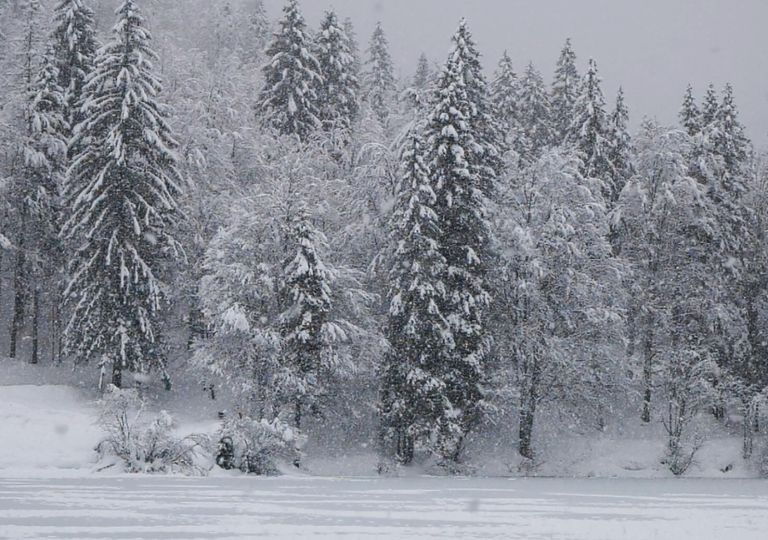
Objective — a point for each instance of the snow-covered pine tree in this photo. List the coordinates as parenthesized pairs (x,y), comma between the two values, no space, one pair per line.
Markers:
(565,92)
(379,78)
(338,91)
(489,133)
(590,133)
(44,157)
(504,94)
(458,168)
(423,76)
(74,43)
(709,106)
(620,154)
(289,103)
(309,335)
(353,45)
(122,191)
(26,62)
(730,142)
(412,396)
(690,116)
(534,116)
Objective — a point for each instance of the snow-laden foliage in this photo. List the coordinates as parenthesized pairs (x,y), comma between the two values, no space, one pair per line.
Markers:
(378,79)
(256,446)
(122,191)
(145,445)
(289,101)
(565,91)
(558,293)
(338,92)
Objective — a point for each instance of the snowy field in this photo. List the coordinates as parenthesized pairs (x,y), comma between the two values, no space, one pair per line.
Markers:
(290,507)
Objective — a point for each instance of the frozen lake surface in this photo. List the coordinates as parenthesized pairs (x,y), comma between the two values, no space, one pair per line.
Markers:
(297,507)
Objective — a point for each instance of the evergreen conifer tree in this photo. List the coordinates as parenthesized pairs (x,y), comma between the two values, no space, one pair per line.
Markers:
(690,116)
(590,133)
(504,94)
(620,154)
(459,169)
(289,102)
(534,116)
(122,191)
(413,399)
(338,91)
(565,91)
(74,39)
(379,79)
(709,107)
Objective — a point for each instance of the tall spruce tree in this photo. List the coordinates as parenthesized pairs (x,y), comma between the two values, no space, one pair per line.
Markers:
(565,91)
(590,133)
(620,154)
(505,96)
(534,116)
(690,116)
(379,78)
(122,192)
(338,92)
(709,106)
(74,43)
(459,168)
(412,397)
(305,293)
(289,100)
(44,156)
(26,63)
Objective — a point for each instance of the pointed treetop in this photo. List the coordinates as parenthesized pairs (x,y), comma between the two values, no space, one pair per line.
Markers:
(690,116)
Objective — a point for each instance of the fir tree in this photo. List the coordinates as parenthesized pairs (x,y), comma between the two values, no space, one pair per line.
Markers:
(620,154)
(730,143)
(590,133)
(534,116)
(122,194)
(504,94)
(413,398)
(44,157)
(709,107)
(458,168)
(690,116)
(379,79)
(565,91)
(22,192)
(423,76)
(309,336)
(74,38)
(353,45)
(289,102)
(338,91)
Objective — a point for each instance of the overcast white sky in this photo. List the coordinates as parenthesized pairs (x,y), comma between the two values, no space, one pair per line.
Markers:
(654,48)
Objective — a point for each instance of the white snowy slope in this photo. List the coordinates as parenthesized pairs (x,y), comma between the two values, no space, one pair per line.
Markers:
(424,508)
(45,430)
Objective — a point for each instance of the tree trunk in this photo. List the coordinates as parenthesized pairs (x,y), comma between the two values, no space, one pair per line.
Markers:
(528,400)
(645,416)
(19,284)
(525,447)
(35,358)
(117,373)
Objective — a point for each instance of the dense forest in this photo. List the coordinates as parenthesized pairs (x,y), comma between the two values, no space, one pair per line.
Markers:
(419,261)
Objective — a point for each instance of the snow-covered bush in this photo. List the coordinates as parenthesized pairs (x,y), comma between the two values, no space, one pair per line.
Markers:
(145,445)
(256,446)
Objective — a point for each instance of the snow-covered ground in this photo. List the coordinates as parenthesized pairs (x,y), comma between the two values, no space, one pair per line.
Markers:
(292,507)
(48,488)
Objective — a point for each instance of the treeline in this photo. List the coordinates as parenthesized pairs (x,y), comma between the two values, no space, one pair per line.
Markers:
(414,260)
